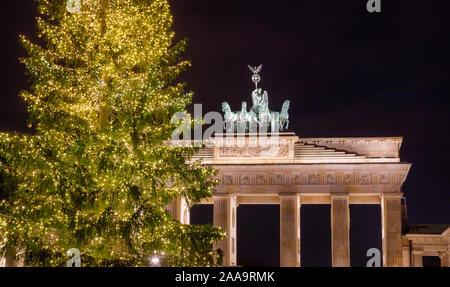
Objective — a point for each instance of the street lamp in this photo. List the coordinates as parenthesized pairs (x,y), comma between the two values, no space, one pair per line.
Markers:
(155,260)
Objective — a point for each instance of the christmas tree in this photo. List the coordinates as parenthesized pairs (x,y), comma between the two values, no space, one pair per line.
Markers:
(97,173)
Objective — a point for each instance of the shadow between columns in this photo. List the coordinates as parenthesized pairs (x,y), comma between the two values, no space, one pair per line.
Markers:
(202,214)
(365,232)
(258,235)
(315,235)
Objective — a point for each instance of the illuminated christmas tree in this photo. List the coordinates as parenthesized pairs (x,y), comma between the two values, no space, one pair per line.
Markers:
(97,173)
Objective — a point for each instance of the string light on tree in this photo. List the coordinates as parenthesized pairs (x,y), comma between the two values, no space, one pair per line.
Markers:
(96,174)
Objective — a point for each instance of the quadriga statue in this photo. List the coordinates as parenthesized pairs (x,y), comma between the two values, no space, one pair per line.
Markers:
(259,118)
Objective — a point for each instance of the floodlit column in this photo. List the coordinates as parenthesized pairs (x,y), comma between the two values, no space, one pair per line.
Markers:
(225,209)
(179,210)
(340,230)
(406,255)
(184,215)
(2,259)
(8,260)
(391,213)
(289,230)
(416,258)
(172,208)
(445,259)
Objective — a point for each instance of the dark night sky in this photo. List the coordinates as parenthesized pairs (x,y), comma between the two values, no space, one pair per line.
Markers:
(347,73)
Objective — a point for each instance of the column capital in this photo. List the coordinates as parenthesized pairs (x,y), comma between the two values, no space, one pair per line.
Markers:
(417,259)
(225,196)
(417,249)
(337,195)
(289,195)
(392,195)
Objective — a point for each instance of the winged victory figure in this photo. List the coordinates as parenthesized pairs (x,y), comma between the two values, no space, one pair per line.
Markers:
(255,70)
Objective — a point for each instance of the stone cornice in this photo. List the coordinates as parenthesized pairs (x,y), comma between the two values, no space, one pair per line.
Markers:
(371,147)
(446,233)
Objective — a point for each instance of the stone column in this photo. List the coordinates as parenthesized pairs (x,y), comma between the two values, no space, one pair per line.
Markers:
(185,213)
(445,258)
(391,214)
(225,211)
(406,252)
(172,208)
(416,258)
(340,230)
(179,210)
(289,230)
(9,261)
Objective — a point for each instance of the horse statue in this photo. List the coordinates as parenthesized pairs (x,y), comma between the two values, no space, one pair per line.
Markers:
(229,117)
(259,115)
(284,116)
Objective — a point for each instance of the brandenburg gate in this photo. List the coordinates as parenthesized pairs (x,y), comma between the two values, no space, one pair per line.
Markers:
(278,167)
(300,171)
(260,162)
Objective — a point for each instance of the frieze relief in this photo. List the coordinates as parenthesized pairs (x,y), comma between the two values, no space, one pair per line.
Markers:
(261,179)
(228,180)
(313,179)
(296,179)
(246,180)
(365,178)
(383,178)
(327,178)
(331,178)
(279,179)
(348,178)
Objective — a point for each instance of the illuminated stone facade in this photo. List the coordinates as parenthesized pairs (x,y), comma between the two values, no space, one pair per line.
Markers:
(335,171)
